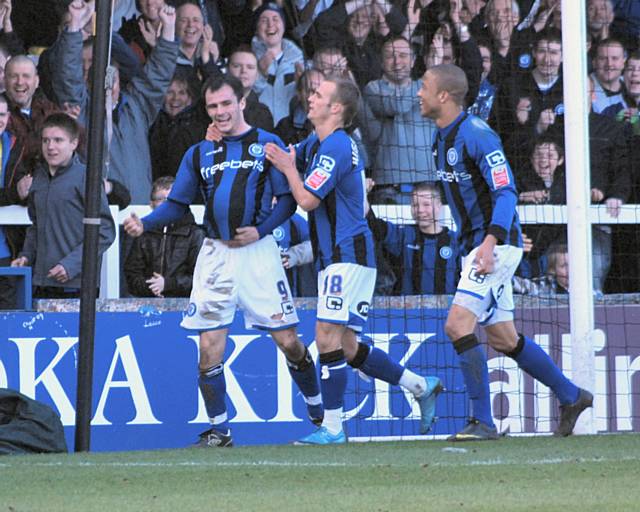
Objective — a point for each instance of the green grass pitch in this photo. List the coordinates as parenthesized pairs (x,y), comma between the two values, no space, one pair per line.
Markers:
(583,473)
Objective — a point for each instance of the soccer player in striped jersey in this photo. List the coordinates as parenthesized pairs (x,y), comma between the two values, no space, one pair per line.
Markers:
(333,191)
(239,263)
(481,193)
(428,252)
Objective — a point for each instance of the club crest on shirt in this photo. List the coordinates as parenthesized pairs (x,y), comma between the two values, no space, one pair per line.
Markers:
(317,178)
(500,176)
(278,233)
(452,156)
(256,150)
(446,252)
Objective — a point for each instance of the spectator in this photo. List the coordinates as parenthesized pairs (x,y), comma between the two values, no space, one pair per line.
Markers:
(162,260)
(427,252)
(133,111)
(176,112)
(511,48)
(14,188)
(215,14)
(330,61)
(141,32)
(278,60)
(599,19)
(363,47)
(198,53)
(331,26)
(296,126)
(627,109)
(54,242)
(243,64)
(398,136)
(483,104)
(534,100)
(28,107)
(556,278)
(544,181)
(607,77)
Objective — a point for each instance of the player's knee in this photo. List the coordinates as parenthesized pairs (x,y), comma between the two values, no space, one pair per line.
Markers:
(454,330)
(508,345)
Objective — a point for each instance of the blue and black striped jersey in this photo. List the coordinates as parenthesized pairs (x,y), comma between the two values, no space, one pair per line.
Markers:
(478,182)
(235,179)
(333,172)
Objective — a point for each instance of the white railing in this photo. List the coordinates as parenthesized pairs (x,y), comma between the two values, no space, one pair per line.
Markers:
(529,214)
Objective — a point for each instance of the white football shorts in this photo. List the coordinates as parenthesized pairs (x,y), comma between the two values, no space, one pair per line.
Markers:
(345,291)
(490,296)
(250,277)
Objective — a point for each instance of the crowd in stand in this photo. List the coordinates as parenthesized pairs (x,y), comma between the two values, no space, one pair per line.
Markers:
(511,51)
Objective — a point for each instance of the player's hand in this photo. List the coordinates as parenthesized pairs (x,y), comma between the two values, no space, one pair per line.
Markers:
(282,160)
(213,133)
(133,226)
(58,273)
(22,261)
(244,236)
(156,284)
(485,258)
(613,206)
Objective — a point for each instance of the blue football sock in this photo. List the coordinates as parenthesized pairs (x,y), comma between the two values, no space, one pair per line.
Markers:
(214,388)
(473,363)
(379,365)
(537,363)
(333,379)
(305,376)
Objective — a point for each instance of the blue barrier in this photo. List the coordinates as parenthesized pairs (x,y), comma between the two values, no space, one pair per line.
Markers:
(146,396)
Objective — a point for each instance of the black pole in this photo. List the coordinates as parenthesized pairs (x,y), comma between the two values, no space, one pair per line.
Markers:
(92,226)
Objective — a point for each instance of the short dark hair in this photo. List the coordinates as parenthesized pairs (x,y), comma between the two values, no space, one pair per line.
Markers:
(243,48)
(550,35)
(64,122)
(548,139)
(348,95)
(452,79)
(428,186)
(392,38)
(188,80)
(162,183)
(217,82)
(3,98)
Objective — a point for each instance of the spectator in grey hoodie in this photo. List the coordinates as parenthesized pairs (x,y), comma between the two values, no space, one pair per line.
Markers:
(54,242)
